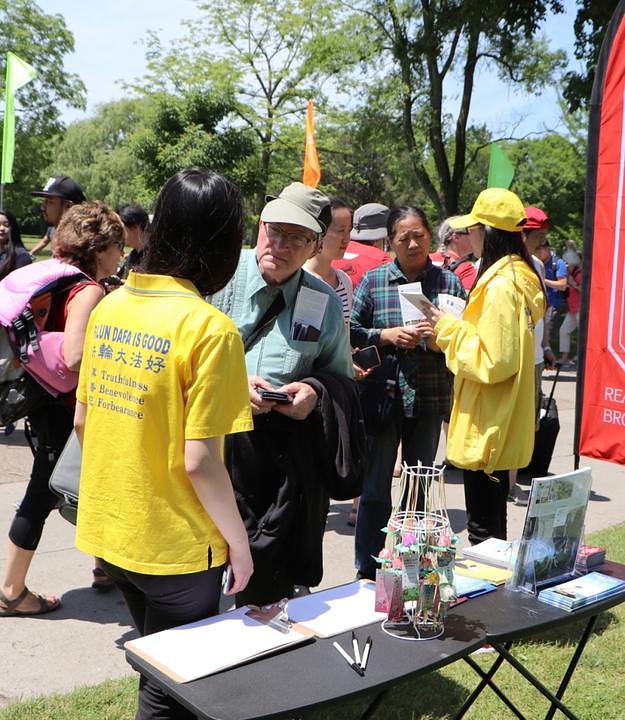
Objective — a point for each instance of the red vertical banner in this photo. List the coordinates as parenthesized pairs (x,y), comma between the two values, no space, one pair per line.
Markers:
(312,170)
(600,410)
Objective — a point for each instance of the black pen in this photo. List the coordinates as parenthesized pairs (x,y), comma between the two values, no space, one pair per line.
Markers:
(351,663)
(365,654)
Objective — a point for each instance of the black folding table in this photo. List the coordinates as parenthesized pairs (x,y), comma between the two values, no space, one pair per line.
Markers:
(309,676)
(514,616)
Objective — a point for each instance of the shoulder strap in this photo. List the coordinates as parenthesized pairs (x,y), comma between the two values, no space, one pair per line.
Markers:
(456,263)
(268,317)
(270,314)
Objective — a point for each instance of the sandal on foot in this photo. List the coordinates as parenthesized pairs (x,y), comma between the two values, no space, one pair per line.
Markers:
(101,581)
(46,605)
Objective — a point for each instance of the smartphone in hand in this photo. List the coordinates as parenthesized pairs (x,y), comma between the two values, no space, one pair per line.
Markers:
(274,396)
(229,581)
(367,358)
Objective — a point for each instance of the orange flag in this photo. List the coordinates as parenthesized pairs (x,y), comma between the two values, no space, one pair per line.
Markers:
(312,171)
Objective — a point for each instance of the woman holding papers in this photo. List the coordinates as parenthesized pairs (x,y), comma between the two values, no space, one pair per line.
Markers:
(423,383)
(162,381)
(491,353)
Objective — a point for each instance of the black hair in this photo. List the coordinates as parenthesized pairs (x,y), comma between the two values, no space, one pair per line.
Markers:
(498,244)
(14,242)
(325,218)
(398,214)
(197,232)
(337,204)
(133,214)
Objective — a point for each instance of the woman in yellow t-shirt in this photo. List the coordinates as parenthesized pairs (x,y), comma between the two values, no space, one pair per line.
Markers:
(163,380)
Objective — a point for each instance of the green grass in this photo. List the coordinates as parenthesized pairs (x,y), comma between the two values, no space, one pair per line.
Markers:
(597,691)
(31,240)
(112,700)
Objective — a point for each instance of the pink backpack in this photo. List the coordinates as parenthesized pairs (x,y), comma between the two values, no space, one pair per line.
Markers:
(26,297)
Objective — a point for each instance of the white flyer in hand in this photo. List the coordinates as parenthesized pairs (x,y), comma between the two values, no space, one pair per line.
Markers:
(310,307)
(451,304)
(418,301)
(409,313)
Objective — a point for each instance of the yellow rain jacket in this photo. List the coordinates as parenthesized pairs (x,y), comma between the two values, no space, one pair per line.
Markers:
(491,353)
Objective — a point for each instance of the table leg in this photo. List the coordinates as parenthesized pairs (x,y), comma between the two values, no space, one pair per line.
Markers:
(590,626)
(487,678)
(519,667)
(373,706)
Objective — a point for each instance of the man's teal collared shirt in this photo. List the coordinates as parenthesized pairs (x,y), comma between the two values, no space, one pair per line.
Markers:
(273,355)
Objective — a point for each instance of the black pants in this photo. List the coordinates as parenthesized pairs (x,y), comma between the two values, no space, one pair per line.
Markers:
(160,602)
(52,424)
(485,500)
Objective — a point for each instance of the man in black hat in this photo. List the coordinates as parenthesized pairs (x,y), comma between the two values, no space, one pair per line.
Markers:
(59,194)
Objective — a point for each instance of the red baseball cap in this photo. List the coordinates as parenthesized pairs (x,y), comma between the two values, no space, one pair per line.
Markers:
(537,219)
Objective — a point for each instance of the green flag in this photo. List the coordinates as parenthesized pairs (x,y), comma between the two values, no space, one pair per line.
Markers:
(500,169)
(18,73)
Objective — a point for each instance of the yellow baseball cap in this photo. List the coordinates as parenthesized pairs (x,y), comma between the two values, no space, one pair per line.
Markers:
(497,207)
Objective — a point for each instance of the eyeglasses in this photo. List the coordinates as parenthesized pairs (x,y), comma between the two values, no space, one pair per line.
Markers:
(543,245)
(297,240)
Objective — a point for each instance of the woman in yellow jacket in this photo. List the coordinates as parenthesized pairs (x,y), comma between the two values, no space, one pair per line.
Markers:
(491,353)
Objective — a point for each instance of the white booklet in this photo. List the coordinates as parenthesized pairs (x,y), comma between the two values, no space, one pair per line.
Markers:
(410,313)
(493,551)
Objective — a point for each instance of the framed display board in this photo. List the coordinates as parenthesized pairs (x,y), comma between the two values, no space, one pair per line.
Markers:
(553,530)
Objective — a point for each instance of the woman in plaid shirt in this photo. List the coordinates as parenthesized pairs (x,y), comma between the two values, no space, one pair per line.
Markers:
(424,383)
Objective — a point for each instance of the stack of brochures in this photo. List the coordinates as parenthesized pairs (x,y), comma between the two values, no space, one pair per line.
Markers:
(471,569)
(582,591)
(472,587)
(589,557)
(492,552)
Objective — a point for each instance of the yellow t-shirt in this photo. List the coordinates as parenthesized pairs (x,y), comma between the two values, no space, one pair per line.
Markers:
(160,366)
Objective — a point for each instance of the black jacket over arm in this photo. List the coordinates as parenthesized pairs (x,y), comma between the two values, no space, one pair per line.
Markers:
(285,471)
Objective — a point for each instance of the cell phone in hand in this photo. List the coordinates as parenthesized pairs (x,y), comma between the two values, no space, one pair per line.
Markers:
(275,396)
(367,358)
(229,582)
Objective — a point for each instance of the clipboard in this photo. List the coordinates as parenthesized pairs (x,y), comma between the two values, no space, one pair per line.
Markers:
(206,647)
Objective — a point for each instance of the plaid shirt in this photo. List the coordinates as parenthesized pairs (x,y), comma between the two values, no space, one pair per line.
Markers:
(376,306)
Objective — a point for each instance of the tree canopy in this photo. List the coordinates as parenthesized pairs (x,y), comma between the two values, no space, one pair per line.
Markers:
(97,153)
(43,41)
(421,46)
(256,53)
(187,130)
(394,88)
(591,23)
